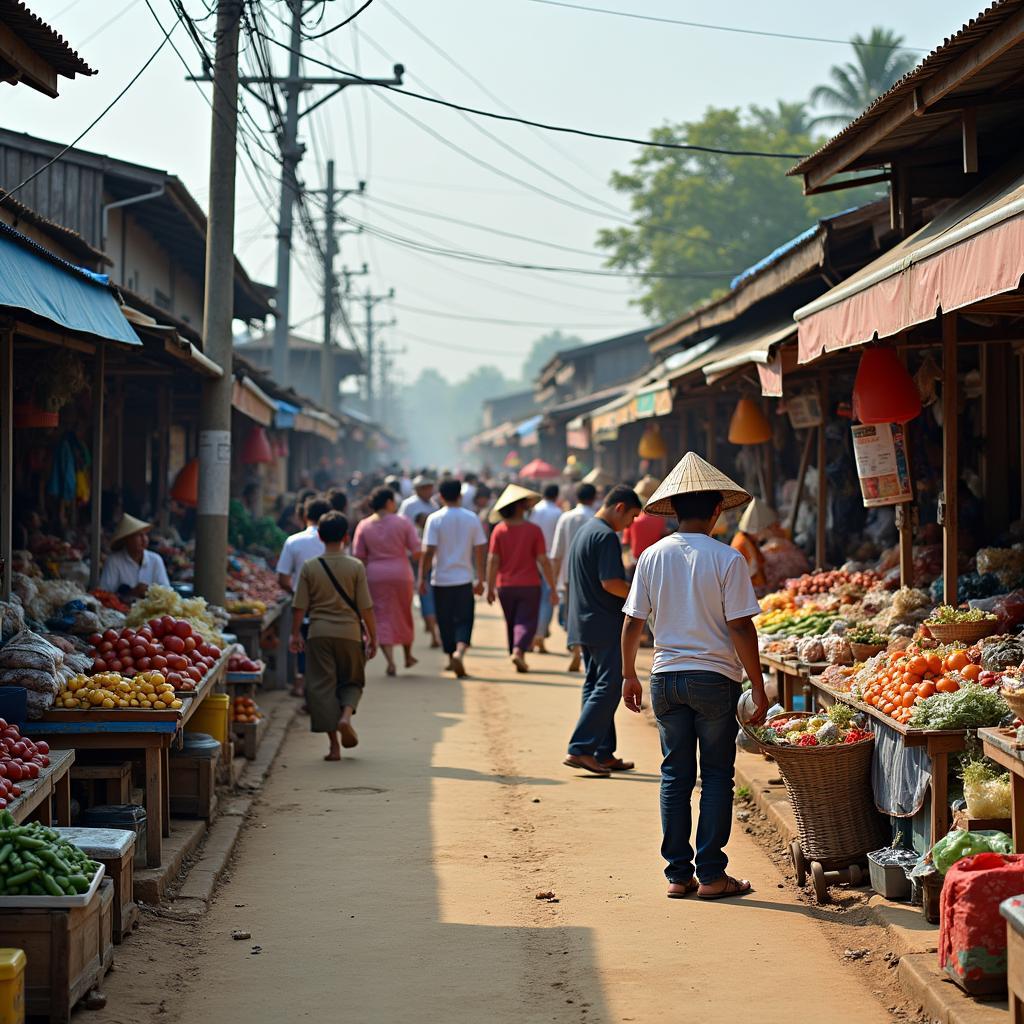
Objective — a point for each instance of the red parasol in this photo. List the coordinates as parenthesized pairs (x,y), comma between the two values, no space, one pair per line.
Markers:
(538,469)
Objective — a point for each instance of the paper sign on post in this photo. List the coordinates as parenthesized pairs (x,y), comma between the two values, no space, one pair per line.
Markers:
(880,450)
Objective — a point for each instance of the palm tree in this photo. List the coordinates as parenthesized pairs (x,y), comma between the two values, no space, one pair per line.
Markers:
(879,62)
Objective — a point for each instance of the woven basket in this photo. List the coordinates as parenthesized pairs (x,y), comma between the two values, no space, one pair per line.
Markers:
(830,790)
(1015,700)
(861,652)
(963,632)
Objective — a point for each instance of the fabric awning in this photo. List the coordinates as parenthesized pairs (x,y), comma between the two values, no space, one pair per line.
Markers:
(312,421)
(33,280)
(970,252)
(755,347)
(252,401)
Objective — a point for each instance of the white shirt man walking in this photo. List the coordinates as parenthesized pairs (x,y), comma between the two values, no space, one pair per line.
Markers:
(702,601)
(545,514)
(454,545)
(567,528)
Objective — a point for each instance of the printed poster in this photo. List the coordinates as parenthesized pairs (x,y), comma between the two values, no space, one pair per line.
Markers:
(880,450)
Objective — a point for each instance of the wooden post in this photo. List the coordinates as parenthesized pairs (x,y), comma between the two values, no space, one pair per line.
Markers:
(96,495)
(819,547)
(950,459)
(801,477)
(6,456)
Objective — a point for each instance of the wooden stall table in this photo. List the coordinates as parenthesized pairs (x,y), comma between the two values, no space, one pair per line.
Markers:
(249,629)
(49,796)
(152,732)
(791,677)
(1001,746)
(939,744)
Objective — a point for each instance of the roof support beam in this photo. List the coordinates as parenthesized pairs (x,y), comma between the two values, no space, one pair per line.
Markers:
(29,67)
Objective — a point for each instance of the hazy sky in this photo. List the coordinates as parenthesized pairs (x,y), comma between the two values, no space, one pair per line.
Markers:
(589,70)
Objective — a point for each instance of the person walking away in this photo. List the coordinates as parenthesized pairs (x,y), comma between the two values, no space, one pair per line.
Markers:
(469,484)
(546,514)
(297,550)
(597,582)
(333,594)
(454,543)
(567,528)
(483,498)
(699,593)
(416,508)
(758,517)
(131,569)
(516,553)
(385,542)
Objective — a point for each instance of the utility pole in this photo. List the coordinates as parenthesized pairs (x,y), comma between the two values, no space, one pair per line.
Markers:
(218,312)
(370,302)
(387,365)
(291,154)
(328,378)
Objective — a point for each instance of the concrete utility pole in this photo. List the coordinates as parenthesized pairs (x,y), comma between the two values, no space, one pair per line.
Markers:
(328,378)
(370,302)
(218,312)
(291,153)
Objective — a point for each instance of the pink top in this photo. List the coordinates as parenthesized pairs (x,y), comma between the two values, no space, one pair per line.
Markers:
(385,545)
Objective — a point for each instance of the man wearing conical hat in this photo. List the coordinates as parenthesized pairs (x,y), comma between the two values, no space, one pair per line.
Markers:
(130,569)
(699,594)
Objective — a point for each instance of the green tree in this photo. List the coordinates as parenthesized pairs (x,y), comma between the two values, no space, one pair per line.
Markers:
(543,349)
(879,61)
(702,218)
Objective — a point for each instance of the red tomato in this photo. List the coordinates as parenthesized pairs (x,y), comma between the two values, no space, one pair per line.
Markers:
(43,747)
(110,635)
(182,628)
(158,661)
(174,644)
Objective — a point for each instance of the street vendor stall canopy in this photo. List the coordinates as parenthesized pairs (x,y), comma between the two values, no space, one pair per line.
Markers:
(36,282)
(971,252)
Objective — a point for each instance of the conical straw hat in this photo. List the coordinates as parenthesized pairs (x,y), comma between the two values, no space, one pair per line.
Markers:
(646,486)
(509,496)
(599,477)
(758,516)
(125,528)
(691,475)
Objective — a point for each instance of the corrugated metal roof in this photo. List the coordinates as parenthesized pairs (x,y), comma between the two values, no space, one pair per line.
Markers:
(44,40)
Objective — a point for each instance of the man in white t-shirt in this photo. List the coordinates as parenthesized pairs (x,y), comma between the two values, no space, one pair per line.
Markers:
(418,503)
(699,593)
(545,514)
(298,549)
(131,569)
(454,545)
(568,526)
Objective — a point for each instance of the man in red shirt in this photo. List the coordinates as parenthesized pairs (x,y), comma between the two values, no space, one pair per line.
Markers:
(645,530)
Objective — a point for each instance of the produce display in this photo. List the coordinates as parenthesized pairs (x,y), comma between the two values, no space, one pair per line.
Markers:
(838,725)
(36,861)
(256,609)
(111,691)
(959,844)
(162,602)
(947,615)
(21,760)
(803,622)
(972,706)
(109,600)
(166,645)
(826,582)
(243,663)
(252,580)
(245,710)
(986,791)
(866,635)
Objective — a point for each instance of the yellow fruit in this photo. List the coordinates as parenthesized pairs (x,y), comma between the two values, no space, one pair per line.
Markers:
(156,678)
(108,702)
(159,705)
(95,697)
(176,704)
(133,703)
(122,703)
(147,688)
(145,703)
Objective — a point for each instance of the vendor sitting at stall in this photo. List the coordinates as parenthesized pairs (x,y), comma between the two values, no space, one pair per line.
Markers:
(130,568)
(756,525)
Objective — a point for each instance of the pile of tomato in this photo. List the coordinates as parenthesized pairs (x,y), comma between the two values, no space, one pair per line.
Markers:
(912,675)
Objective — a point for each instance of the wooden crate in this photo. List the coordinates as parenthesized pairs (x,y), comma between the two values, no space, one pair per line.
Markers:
(113,781)
(249,736)
(120,872)
(193,786)
(106,925)
(64,949)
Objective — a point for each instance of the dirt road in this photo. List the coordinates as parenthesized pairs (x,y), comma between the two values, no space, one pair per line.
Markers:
(400,885)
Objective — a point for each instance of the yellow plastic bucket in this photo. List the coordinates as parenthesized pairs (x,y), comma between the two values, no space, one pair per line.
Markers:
(212,717)
(12,986)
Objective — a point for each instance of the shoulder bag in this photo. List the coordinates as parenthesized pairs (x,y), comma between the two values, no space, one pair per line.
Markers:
(348,600)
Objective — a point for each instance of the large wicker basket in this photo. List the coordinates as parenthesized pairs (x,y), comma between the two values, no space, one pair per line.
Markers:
(830,789)
(1015,700)
(963,632)
(861,652)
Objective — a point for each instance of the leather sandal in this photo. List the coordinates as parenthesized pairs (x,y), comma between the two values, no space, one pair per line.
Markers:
(689,888)
(733,887)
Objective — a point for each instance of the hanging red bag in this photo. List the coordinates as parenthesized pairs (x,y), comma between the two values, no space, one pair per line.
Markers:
(972,939)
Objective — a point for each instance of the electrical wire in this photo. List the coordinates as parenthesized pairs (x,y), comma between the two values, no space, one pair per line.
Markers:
(501,322)
(469,349)
(95,121)
(513,119)
(714,28)
(352,17)
(110,21)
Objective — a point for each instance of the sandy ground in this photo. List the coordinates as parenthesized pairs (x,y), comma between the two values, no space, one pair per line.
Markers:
(400,885)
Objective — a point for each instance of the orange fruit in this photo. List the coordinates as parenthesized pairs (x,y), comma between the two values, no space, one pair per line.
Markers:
(971,672)
(957,661)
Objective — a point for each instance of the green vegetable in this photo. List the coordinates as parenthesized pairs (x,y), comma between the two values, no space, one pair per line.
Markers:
(841,715)
(971,707)
(947,615)
(959,844)
(22,877)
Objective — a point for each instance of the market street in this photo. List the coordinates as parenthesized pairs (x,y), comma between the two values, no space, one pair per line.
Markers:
(401,884)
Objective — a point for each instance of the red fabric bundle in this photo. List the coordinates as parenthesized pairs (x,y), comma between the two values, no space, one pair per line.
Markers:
(972,939)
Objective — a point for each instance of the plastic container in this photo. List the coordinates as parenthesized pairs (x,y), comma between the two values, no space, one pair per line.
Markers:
(888,873)
(212,717)
(14,704)
(121,816)
(12,986)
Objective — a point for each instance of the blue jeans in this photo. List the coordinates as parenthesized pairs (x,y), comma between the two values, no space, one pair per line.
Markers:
(546,610)
(602,691)
(696,709)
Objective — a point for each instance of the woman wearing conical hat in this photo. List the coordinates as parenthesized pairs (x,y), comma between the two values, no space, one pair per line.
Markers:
(757,520)
(699,594)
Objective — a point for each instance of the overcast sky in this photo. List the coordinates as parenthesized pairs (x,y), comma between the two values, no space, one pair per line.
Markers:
(591,70)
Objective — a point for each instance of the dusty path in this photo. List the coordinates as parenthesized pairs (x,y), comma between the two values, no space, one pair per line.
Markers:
(400,885)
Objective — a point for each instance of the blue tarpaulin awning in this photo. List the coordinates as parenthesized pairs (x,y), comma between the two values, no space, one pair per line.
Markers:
(284,418)
(38,282)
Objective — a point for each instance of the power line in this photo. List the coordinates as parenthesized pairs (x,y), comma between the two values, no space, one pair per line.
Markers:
(714,28)
(96,120)
(684,146)
(501,322)
(352,17)
(449,347)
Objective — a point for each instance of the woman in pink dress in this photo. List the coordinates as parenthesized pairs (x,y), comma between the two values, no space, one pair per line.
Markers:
(385,542)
